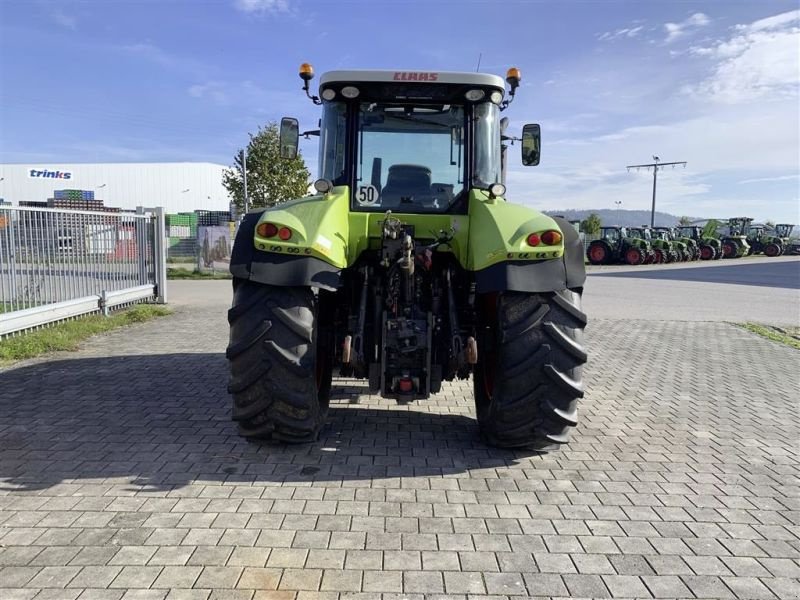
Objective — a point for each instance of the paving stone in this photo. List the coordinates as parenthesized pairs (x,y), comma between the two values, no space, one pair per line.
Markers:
(669,486)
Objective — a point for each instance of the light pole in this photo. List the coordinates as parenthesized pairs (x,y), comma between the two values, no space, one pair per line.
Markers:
(619,210)
(656,165)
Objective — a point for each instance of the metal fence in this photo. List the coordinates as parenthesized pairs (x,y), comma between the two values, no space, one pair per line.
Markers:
(57,264)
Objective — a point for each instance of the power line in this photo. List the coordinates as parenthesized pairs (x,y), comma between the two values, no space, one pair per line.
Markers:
(656,165)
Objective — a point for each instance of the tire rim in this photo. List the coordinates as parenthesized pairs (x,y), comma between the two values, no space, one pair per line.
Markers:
(597,253)
(706,252)
(633,256)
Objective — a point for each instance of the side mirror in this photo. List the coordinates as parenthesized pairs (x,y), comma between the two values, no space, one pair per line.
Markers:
(531,144)
(289,137)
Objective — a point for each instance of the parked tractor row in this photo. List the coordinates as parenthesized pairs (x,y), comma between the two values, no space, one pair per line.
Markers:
(657,245)
(652,245)
(744,239)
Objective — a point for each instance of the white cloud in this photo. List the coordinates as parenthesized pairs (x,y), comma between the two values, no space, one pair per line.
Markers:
(678,30)
(628,32)
(262,6)
(64,20)
(759,61)
(766,179)
(213,90)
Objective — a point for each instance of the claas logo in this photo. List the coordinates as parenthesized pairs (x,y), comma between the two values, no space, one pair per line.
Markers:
(414,76)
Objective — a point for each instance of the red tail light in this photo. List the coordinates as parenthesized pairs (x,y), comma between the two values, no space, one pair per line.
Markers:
(284,233)
(267,230)
(406,385)
(533,239)
(551,238)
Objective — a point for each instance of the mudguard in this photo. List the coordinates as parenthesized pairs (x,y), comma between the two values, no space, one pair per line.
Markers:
(277,269)
(566,272)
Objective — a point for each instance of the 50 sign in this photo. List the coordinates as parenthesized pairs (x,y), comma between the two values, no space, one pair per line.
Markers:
(367,195)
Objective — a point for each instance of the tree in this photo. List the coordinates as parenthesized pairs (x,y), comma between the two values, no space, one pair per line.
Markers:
(769,224)
(270,178)
(591,224)
(685,221)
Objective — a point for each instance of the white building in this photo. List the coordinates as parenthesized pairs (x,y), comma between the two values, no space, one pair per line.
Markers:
(178,187)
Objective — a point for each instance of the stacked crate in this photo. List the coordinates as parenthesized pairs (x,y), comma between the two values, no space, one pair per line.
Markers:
(75,200)
(212,218)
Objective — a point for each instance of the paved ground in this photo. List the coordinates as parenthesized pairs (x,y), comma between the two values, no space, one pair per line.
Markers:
(121,476)
(752,289)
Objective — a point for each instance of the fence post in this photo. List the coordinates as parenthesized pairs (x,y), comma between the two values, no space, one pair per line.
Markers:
(160,254)
(141,245)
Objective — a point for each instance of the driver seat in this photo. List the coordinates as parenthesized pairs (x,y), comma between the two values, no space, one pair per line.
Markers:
(404,181)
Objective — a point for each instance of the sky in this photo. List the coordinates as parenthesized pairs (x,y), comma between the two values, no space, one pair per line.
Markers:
(612,83)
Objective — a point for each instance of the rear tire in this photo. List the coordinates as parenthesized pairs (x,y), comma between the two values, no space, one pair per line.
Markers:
(280,362)
(529,375)
(598,253)
(634,256)
(772,250)
(706,253)
(729,250)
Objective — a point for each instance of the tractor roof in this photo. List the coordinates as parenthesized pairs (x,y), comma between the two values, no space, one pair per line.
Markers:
(355,76)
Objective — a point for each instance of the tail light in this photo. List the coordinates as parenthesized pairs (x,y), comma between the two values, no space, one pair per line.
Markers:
(551,238)
(267,230)
(284,233)
(533,239)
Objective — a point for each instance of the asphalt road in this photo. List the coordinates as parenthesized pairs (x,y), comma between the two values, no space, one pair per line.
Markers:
(757,290)
(758,272)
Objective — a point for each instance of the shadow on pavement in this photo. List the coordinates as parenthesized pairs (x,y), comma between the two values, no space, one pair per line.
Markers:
(764,274)
(159,422)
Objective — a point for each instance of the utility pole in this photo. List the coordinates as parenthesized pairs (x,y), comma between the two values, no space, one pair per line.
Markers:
(244,178)
(656,165)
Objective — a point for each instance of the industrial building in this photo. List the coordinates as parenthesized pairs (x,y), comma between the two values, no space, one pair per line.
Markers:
(178,187)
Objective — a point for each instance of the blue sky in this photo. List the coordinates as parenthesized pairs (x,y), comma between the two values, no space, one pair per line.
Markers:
(611,82)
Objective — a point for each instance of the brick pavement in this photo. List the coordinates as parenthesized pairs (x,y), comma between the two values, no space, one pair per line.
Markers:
(121,476)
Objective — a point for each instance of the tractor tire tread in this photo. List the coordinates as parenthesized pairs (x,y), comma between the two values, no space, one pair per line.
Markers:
(538,371)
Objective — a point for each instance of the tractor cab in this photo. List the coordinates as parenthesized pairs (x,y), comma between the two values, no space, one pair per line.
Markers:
(409,141)
(690,231)
(640,232)
(784,230)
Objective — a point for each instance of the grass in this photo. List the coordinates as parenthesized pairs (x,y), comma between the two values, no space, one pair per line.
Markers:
(173,273)
(69,334)
(787,336)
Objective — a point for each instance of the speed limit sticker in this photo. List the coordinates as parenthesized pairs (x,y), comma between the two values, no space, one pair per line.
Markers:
(367,195)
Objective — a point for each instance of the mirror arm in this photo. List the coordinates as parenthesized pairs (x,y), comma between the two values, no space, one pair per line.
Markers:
(505,103)
(309,133)
(314,99)
(510,138)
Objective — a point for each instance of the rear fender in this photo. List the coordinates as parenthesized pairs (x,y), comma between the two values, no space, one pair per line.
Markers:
(501,258)
(314,255)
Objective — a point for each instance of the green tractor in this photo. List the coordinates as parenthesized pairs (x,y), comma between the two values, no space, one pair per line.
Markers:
(616,245)
(734,241)
(408,267)
(680,251)
(763,242)
(643,234)
(666,251)
(708,248)
(691,245)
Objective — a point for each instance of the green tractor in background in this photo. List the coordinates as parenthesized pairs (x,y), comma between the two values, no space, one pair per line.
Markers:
(680,249)
(616,245)
(692,247)
(408,268)
(643,234)
(762,241)
(665,248)
(734,241)
(709,248)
